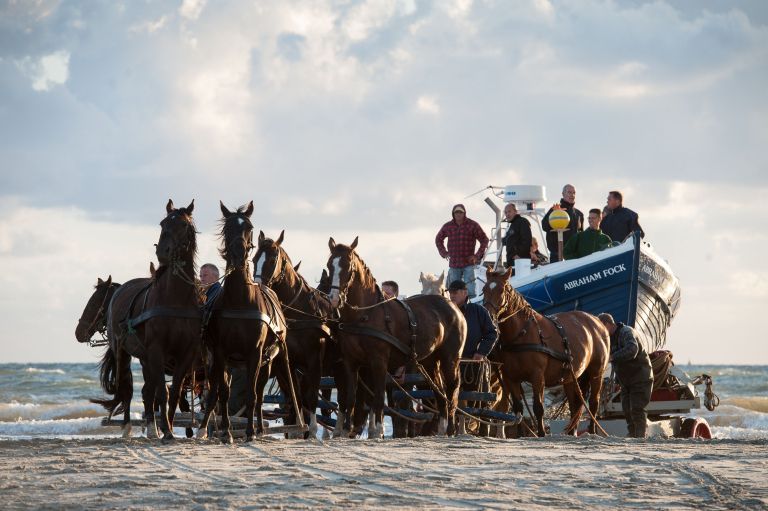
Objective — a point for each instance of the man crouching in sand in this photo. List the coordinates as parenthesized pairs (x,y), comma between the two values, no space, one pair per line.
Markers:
(634,372)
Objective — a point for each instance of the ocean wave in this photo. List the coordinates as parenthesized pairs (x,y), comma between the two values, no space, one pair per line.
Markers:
(53,428)
(15,411)
(48,371)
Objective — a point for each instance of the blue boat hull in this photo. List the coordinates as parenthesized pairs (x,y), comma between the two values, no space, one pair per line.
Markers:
(629,281)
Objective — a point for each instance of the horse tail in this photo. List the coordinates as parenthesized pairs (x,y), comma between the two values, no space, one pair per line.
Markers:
(115,374)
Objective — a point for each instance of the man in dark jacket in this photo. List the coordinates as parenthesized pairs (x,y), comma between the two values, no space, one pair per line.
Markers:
(568,203)
(481,332)
(620,222)
(518,236)
(634,372)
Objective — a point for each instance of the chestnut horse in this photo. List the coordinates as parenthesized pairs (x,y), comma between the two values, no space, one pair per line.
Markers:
(307,311)
(245,320)
(571,348)
(382,335)
(158,321)
(94,316)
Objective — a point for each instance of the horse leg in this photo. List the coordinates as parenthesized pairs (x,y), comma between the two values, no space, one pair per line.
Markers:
(574,407)
(378,378)
(449,368)
(595,390)
(538,406)
(343,424)
(362,402)
(148,396)
(215,380)
(226,426)
(125,378)
(177,386)
(252,375)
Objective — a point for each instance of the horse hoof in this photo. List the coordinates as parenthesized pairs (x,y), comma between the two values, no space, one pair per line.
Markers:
(202,434)
(127,431)
(249,438)
(152,432)
(189,432)
(326,434)
(227,438)
(168,438)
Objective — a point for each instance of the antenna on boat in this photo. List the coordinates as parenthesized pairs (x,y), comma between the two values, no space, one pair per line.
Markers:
(489,187)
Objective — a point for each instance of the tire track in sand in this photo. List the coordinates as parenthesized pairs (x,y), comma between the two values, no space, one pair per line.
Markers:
(372,486)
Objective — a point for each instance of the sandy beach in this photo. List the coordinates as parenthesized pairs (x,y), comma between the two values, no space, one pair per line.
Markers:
(431,473)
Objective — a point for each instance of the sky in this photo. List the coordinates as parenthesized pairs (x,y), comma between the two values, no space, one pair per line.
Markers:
(371,119)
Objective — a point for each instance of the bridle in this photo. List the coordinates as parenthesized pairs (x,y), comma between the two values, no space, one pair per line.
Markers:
(100,316)
(504,304)
(176,262)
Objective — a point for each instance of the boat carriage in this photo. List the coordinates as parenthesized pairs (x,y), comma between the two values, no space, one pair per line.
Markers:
(631,282)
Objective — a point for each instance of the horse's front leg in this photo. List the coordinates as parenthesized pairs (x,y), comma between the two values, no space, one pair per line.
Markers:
(215,376)
(595,390)
(538,406)
(173,399)
(224,389)
(254,395)
(148,397)
(347,405)
(378,380)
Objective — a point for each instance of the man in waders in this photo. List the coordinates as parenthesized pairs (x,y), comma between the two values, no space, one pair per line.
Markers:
(634,373)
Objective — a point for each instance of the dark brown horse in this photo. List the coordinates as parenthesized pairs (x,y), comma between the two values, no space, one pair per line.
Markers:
(382,335)
(158,321)
(246,320)
(534,349)
(307,311)
(94,316)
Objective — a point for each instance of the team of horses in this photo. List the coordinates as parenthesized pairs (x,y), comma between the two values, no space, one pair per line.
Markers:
(271,322)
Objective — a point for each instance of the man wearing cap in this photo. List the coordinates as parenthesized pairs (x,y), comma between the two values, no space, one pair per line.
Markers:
(481,332)
(462,234)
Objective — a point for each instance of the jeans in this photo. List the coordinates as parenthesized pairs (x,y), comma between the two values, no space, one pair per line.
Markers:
(467,274)
(634,399)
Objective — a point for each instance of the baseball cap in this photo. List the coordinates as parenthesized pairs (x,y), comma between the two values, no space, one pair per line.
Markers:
(457,285)
(458,207)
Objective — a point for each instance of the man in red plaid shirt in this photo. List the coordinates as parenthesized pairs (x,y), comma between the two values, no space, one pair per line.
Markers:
(462,233)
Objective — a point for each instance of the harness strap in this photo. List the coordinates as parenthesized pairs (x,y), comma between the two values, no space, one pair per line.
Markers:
(358,329)
(412,324)
(306,324)
(170,312)
(251,314)
(520,348)
(561,331)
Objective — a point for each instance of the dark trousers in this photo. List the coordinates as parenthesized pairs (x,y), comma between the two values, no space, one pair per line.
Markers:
(634,398)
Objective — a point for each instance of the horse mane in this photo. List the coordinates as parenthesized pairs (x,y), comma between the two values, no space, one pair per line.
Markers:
(516,299)
(223,228)
(192,238)
(366,276)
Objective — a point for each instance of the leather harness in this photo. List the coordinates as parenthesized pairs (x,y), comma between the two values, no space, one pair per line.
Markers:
(359,328)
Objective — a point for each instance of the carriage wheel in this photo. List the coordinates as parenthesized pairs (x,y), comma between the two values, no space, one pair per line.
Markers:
(695,428)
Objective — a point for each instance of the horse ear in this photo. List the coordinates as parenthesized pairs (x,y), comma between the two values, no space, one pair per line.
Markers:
(109,281)
(296,268)
(249,211)
(281,238)
(354,243)
(331,243)
(100,282)
(324,275)
(224,210)
(152,269)
(421,277)
(261,236)
(488,271)
(169,206)
(191,207)
(442,277)
(508,273)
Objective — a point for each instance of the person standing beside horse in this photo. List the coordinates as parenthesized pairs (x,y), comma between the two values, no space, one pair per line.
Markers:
(462,234)
(518,237)
(567,203)
(481,332)
(634,372)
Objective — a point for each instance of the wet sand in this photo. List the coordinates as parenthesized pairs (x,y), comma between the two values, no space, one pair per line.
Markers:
(432,473)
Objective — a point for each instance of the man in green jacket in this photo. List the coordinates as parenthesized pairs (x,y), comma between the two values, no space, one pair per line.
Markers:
(588,241)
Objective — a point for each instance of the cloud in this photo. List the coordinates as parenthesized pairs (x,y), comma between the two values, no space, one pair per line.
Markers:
(191,9)
(428,105)
(47,71)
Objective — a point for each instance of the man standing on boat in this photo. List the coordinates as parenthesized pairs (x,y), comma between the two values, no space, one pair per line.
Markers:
(462,234)
(620,222)
(518,237)
(634,372)
(589,241)
(568,203)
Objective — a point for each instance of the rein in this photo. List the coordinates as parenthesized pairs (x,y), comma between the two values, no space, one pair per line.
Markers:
(99,316)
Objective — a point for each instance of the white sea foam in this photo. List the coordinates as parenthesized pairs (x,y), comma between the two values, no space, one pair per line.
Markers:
(15,411)
(52,428)
(49,371)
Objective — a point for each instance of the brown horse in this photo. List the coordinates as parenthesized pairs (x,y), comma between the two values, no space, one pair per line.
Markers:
(94,316)
(158,321)
(382,335)
(246,319)
(307,311)
(570,348)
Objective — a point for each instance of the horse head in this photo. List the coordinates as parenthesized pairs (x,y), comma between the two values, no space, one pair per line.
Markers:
(432,284)
(270,261)
(236,235)
(497,292)
(177,236)
(342,268)
(94,315)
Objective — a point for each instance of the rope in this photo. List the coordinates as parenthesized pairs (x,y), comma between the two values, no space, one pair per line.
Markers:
(360,308)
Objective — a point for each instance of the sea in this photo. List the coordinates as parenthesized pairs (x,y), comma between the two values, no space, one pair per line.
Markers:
(52,401)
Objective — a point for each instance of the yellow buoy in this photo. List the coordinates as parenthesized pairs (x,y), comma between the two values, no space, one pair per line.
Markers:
(559,219)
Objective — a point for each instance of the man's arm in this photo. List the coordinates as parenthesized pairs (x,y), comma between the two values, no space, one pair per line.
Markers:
(627,349)
(636,225)
(603,241)
(545,222)
(483,239)
(526,238)
(440,242)
(489,332)
(569,250)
